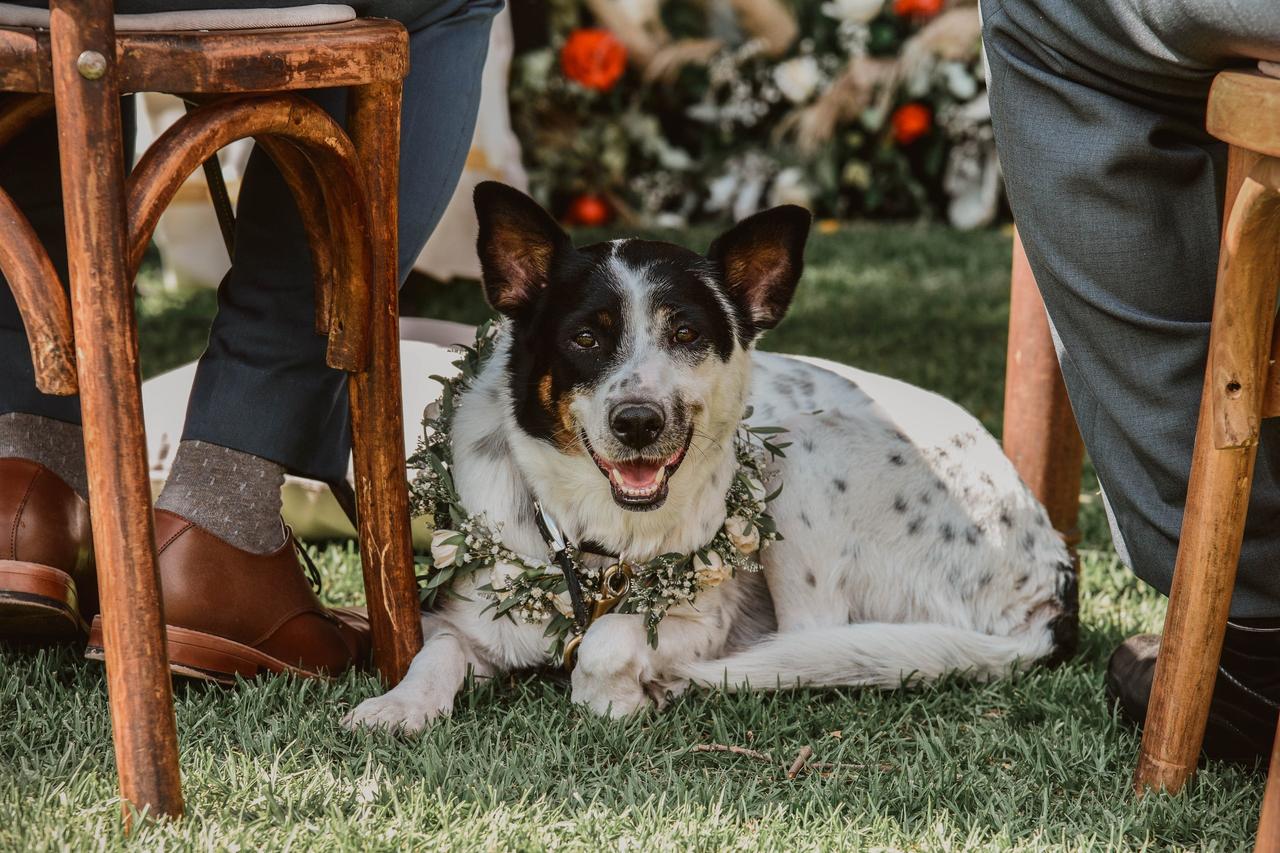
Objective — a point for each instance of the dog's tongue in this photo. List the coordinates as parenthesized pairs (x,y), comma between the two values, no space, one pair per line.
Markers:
(637,475)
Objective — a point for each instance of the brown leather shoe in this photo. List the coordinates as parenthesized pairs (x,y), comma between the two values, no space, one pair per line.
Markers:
(47,585)
(229,612)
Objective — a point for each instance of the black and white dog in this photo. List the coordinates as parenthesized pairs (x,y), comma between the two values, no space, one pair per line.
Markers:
(911,549)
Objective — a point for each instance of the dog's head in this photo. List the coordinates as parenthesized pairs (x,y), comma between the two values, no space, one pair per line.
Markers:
(623,354)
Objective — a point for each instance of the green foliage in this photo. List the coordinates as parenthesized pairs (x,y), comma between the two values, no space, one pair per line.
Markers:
(743,124)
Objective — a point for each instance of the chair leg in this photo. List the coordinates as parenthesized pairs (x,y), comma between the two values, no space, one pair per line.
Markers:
(1040,434)
(1221,477)
(382,499)
(138,680)
(1269,821)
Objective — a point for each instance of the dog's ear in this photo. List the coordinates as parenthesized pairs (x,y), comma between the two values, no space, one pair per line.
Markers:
(760,260)
(518,240)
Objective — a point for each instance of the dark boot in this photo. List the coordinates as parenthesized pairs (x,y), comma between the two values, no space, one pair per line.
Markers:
(1246,696)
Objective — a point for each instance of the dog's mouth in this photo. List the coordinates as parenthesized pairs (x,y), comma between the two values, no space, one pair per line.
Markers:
(639,484)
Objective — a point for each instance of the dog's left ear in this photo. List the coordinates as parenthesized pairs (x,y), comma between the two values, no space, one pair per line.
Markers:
(517,243)
(760,260)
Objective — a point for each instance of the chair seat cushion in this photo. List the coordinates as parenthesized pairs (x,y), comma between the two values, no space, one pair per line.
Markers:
(318,14)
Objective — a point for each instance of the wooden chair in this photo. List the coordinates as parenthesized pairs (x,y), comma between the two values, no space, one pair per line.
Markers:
(1241,388)
(246,82)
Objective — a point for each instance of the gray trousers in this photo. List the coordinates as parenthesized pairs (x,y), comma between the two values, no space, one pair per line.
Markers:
(1098,108)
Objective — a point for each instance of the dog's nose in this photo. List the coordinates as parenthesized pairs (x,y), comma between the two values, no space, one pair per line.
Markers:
(637,424)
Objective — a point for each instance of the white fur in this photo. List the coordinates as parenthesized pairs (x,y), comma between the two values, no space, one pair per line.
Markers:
(911,548)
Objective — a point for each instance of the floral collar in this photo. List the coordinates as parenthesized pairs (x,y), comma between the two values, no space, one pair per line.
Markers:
(537,591)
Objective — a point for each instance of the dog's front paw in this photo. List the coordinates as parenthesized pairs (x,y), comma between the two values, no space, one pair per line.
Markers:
(392,712)
(608,677)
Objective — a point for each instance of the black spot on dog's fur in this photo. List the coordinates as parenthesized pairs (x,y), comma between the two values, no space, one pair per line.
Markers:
(841,485)
(491,446)
(1005,518)
(896,459)
(913,526)
(808,445)
(1066,625)
(810,579)
(900,504)
(804,519)
(971,534)
(948,533)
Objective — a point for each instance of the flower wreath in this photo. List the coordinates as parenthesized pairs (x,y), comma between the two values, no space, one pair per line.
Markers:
(533,591)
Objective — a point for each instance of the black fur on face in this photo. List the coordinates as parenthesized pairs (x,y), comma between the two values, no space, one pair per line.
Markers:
(599,329)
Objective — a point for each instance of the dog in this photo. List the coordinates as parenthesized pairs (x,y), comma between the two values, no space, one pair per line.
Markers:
(909,546)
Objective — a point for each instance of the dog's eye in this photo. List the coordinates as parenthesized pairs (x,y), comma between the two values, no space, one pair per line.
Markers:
(584,340)
(685,335)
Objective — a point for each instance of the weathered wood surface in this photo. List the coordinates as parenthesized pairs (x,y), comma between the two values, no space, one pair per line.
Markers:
(1269,821)
(138,680)
(1244,110)
(222,62)
(42,303)
(1040,434)
(1221,476)
(382,499)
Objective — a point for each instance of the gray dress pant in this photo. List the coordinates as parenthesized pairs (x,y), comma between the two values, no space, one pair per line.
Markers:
(1098,108)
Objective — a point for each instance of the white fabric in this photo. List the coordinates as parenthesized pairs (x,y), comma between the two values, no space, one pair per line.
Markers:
(12,15)
(309,506)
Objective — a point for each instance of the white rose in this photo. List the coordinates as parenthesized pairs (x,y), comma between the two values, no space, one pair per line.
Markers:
(797,78)
(563,604)
(712,570)
(853,11)
(443,552)
(742,533)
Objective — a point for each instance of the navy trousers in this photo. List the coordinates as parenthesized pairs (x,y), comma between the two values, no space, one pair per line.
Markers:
(1098,108)
(262,385)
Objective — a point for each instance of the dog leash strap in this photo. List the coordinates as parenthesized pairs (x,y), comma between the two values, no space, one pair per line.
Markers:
(563,554)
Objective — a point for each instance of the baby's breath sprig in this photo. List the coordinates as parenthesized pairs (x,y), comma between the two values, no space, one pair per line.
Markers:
(535,592)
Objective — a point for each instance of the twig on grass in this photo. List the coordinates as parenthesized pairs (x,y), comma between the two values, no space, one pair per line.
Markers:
(806,752)
(736,750)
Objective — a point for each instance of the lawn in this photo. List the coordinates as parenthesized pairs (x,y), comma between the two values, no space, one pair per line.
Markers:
(1036,762)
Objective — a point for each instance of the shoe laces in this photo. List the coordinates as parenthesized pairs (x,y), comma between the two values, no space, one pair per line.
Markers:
(312,572)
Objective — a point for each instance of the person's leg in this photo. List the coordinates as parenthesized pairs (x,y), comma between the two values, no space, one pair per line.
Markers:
(262,389)
(35,426)
(1098,109)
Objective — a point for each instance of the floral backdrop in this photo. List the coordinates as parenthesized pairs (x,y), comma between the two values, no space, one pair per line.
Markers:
(667,113)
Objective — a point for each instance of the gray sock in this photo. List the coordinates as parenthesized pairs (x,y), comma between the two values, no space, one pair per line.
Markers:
(233,495)
(57,445)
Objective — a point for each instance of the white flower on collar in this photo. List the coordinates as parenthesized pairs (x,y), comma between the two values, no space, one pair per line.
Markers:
(444,548)
(743,535)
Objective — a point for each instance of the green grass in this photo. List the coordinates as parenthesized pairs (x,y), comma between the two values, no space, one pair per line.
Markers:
(1034,762)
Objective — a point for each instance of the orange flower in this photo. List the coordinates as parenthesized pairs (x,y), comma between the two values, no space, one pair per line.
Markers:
(589,210)
(910,122)
(593,58)
(916,8)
